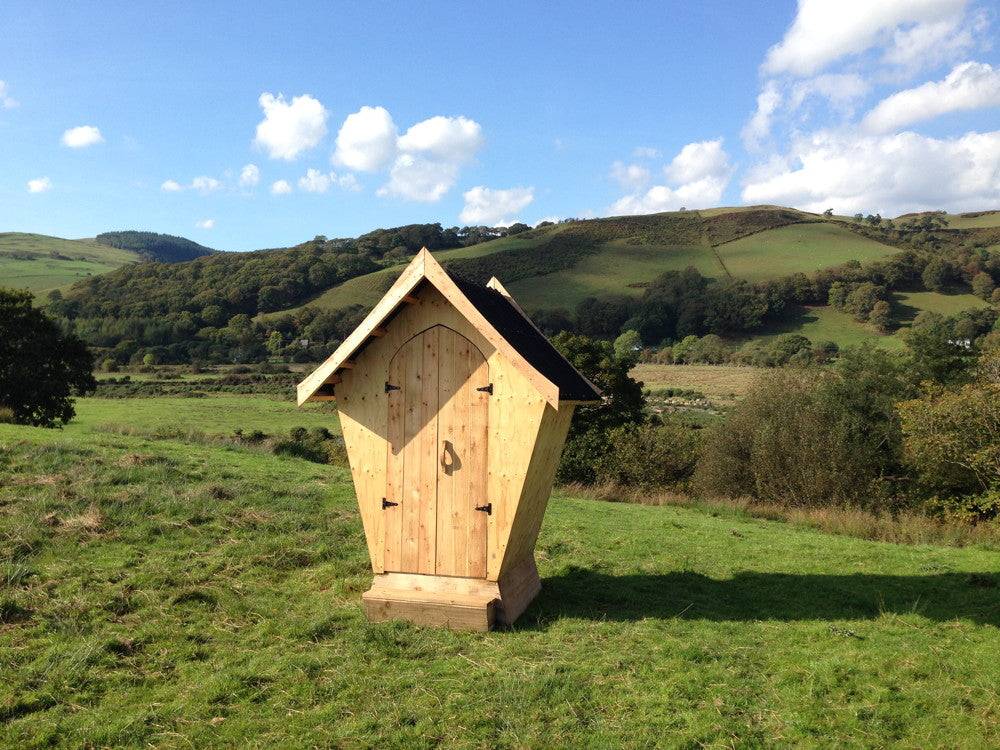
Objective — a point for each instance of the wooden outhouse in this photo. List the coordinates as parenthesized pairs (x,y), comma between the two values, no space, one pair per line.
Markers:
(454,409)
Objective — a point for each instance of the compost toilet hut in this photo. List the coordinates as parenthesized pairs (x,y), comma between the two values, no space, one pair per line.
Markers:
(454,409)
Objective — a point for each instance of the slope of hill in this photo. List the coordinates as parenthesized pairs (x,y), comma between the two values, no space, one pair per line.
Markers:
(39,263)
(162,588)
(163,248)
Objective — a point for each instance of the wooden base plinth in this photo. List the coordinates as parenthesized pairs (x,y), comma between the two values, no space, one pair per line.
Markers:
(457,603)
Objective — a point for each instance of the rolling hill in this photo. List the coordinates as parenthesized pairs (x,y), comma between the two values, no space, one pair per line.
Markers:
(206,307)
(621,255)
(40,263)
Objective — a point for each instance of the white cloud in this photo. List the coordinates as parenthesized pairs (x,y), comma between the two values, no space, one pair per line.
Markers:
(969,86)
(425,160)
(824,32)
(842,90)
(630,176)
(315,181)
(448,139)
(289,128)
(697,161)
(889,174)
(491,206)
(249,176)
(416,178)
(759,126)
(645,152)
(171,186)
(205,224)
(205,184)
(39,185)
(6,100)
(82,136)
(281,187)
(929,44)
(700,173)
(367,140)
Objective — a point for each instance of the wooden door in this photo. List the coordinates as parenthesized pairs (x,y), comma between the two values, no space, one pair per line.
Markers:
(436,462)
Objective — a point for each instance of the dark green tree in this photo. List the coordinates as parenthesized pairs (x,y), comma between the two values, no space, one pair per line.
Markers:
(40,366)
(622,403)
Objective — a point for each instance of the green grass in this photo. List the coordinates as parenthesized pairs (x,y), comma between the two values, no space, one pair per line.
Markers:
(40,272)
(617,268)
(800,248)
(907,305)
(828,324)
(173,594)
(214,414)
(990,219)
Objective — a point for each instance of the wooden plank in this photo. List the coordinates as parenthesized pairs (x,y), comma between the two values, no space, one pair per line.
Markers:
(392,517)
(462,424)
(426,479)
(413,434)
(406,283)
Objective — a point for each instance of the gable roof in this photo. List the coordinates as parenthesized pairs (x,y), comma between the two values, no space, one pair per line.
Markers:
(491,310)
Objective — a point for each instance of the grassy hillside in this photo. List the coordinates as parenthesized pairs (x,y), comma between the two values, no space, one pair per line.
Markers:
(40,263)
(178,594)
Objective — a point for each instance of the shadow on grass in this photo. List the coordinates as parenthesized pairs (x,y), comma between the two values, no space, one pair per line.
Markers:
(588,594)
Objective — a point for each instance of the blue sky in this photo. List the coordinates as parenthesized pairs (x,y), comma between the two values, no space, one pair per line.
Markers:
(121,115)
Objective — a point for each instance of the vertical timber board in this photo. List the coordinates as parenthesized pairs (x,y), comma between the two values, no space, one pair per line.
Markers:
(515,415)
(462,418)
(538,485)
(392,516)
(429,447)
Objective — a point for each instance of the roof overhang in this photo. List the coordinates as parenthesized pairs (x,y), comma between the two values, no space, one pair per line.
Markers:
(423,267)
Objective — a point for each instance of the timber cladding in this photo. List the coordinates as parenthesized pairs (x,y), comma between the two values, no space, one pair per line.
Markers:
(453,427)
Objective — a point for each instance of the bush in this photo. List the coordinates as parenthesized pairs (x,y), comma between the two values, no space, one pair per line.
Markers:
(952,440)
(648,456)
(811,437)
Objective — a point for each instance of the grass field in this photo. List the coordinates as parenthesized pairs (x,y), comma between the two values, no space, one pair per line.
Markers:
(37,270)
(800,248)
(715,381)
(907,305)
(828,324)
(987,219)
(157,592)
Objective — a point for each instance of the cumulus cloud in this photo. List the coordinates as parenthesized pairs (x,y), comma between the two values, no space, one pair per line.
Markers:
(205,224)
(493,207)
(699,174)
(697,161)
(6,100)
(367,140)
(205,184)
(449,139)
(758,127)
(82,136)
(281,187)
(249,176)
(171,186)
(416,178)
(890,174)
(289,128)
(39,185)
(425,160)
(824,32)
(315,181)
(928,44)
(629,176)
(970,85)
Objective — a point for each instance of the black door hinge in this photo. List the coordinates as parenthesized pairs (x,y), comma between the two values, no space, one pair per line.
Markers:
(390,387)
(486,389)
(388,504)
(487,509)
